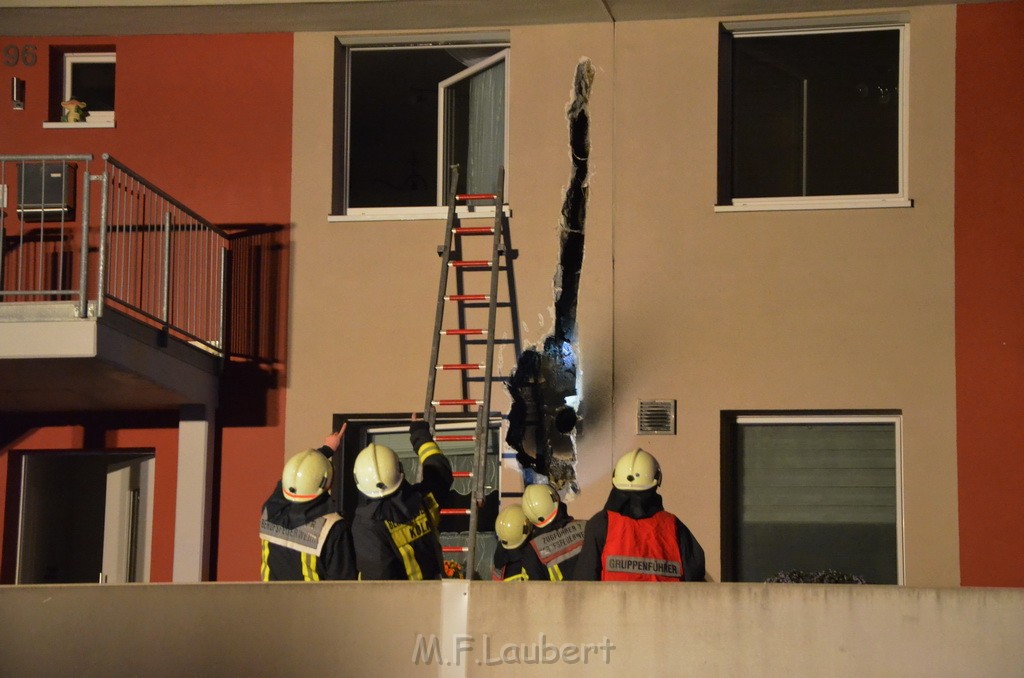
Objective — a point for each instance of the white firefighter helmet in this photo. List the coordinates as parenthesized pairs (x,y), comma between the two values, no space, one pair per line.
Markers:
(637,470)
(306,476)
(377,471)
(512,526)
(540,504)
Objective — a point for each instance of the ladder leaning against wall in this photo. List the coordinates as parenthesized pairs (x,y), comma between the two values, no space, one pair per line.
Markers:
(461,289)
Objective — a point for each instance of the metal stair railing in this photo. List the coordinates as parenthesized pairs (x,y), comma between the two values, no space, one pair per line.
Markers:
(162,260)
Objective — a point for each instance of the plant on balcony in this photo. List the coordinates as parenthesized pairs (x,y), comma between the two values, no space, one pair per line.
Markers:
(823,577)
(453,570)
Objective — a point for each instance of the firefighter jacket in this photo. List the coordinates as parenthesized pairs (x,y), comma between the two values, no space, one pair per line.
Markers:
(397,537)
(635,539)
(306,541)
(516,564)
(555,547)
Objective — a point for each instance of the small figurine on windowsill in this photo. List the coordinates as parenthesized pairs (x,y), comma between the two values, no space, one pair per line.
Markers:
(74,110)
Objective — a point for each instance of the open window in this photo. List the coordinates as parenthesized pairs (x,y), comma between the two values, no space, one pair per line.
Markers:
(812,115)
(471,114)
(405,112)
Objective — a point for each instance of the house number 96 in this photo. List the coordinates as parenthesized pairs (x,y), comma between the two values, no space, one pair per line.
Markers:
(15,54)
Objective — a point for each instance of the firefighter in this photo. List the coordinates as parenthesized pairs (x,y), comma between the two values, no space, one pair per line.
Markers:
(395,527)
(304,538)
(634,538)
(510,555)
(557,536)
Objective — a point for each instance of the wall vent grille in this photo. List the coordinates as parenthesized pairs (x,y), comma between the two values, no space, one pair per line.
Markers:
(656,417)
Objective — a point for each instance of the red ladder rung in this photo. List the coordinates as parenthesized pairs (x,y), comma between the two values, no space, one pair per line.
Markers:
(467,297)
(461,366)
(459,402)
(464,331)
(455,439)
(460,474)
(454,512)
(474,230)
(476,263)
(455,549)
(476,196)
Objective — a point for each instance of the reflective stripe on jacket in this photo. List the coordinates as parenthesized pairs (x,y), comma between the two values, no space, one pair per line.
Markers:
(289,554)
(406,535)
(557,549)
(510,573)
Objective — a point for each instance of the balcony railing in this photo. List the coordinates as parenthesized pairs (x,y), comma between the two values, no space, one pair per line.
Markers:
(121,241)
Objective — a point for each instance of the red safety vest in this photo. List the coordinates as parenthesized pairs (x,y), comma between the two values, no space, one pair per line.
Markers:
(641,550)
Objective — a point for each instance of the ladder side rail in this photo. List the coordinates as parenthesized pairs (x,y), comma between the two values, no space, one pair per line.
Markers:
(482,436)
(429,412)
(484,412)
(460,286)
(510,278)
(474,508)
(483,422)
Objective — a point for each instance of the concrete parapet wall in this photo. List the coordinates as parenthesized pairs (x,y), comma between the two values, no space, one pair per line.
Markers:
(481,629)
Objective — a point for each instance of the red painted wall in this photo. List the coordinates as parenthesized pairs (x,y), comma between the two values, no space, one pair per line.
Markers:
(207,118)
(990,291)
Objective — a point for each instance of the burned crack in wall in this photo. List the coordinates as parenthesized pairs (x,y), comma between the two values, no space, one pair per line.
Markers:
(543,418)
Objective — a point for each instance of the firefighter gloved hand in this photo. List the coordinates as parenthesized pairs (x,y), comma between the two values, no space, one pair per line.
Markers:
(419,433)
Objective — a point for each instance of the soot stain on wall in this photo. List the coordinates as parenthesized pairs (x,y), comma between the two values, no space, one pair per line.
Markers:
(545,399)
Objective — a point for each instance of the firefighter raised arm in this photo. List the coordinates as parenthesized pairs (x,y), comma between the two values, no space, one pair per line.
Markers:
(303,538)
(395,527)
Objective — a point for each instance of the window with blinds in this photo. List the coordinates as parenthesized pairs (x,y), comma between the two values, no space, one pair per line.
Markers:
(817,493)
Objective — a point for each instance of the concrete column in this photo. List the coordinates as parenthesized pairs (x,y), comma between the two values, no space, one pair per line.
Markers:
(192,513)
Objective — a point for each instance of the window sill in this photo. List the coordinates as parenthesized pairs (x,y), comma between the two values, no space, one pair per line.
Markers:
(78,125)
(826,203)
(415,214)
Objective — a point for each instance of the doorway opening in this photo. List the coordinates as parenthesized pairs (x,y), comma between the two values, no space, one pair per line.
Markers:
(84,517)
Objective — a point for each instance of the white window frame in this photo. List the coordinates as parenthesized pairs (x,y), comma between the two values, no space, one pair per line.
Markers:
(896,420)
(442,88)
(849,24)
(72,58)
(435,41)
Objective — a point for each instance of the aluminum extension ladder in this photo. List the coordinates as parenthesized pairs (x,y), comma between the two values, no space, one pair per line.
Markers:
(477,373)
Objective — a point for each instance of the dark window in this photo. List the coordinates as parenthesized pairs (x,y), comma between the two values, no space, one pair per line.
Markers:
(813,114)
(93,82)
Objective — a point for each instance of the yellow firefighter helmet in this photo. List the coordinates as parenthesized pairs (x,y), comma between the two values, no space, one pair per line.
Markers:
(377,471)
(512,526)
(540,504)
(306,476)
(637,470)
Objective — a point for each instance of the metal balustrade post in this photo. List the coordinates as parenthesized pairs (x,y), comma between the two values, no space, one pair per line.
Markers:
(83,258)
(3,223)
(166,301)
(3,250)
(101,265)
(223,304)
